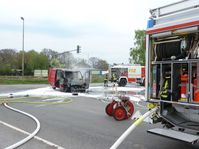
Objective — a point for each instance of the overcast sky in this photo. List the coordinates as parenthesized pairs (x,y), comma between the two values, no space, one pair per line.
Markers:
(103,28)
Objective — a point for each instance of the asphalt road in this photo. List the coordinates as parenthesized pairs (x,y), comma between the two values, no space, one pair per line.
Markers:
(81,124)
(21,87)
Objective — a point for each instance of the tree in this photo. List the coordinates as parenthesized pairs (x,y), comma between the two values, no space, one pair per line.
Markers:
(102,65)
(82,63)
(137,53)
(35,60)
(49,53)
(62,60)
(67,60)
(98,63)
(8,61)
(93,61)
(55,63)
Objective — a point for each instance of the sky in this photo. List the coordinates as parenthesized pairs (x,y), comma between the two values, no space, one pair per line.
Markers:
(102,28)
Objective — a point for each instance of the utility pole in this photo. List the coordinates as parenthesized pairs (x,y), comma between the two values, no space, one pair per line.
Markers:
(22,65)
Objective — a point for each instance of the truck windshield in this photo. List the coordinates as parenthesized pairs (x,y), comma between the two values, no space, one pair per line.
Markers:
(73,75)
(77,75)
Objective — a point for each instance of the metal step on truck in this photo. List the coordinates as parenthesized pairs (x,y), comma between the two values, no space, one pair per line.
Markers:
(172,69)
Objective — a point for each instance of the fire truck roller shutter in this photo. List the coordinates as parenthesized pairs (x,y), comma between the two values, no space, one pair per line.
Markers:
(179,48)
(164,51)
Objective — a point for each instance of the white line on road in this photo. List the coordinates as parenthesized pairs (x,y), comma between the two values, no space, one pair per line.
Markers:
(43,105)
(35,137)
(54,99)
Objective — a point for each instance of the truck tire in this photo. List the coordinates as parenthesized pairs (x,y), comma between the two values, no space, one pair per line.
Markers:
(123,82)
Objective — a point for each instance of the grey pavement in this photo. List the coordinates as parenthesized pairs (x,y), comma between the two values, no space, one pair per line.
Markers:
(81,124)
(19,87)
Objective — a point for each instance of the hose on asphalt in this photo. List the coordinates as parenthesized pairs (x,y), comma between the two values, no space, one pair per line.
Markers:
(28,137)
(132,127)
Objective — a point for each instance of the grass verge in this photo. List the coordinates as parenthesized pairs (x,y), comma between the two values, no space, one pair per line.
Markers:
(36,80)
(22,80)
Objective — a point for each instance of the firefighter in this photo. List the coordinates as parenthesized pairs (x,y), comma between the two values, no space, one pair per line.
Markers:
(114,78)
(115,83)
(106,81)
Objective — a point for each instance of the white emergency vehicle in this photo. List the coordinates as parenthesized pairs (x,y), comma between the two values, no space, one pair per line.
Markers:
(124,74)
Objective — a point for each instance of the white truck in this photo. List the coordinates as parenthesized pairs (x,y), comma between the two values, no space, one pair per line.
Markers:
(127,74)
(172,69)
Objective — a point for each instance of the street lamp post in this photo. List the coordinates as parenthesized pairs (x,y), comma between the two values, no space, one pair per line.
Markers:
(22,65)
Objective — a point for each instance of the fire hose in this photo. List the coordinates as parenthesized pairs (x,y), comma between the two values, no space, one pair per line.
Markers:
(132,127)
(28,137)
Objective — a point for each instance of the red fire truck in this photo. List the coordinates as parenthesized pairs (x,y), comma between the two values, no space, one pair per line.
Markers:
(124,74)
(172,69)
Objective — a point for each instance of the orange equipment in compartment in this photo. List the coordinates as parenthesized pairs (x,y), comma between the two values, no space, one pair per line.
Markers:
(183,88)
(195,91)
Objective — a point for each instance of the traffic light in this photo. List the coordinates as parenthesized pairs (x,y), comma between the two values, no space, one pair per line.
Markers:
(78,49)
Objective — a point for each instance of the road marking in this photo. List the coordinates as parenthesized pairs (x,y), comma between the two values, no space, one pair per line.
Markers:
(54,99)
(58,100)
(35,137)
(48,101)
(41,105)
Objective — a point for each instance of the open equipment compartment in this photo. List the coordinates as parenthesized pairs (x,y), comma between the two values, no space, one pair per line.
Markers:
(172,64)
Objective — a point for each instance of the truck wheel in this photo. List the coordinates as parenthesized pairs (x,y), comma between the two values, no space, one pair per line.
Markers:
(119,113)
(123,82)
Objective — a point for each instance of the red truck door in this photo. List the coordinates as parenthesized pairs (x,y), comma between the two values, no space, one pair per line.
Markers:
(52,76)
